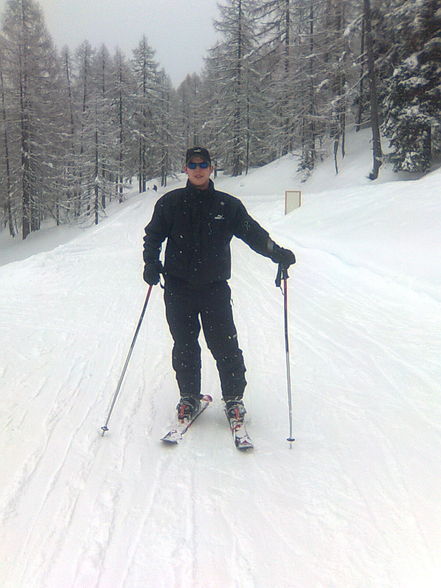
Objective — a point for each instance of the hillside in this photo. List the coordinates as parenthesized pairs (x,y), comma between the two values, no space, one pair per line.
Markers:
(354,504)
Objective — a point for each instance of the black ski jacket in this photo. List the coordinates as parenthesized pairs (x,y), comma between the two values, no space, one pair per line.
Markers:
(198,226)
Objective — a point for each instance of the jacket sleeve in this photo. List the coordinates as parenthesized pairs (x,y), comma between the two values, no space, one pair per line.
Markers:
(155,233)
(249,230)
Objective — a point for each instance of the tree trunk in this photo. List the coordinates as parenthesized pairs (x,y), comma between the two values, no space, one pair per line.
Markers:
(11,224)
(375,124)
(96,186)
(237,139)
(359,118)
(25,163)
(120,139)
(310,155)
(287,138)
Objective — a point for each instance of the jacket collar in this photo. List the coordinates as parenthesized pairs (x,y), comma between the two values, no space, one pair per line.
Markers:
(196,192)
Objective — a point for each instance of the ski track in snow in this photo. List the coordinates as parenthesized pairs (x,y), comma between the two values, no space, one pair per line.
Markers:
(353,504)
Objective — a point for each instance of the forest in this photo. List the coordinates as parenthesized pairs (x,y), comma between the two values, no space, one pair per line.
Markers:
(285,76)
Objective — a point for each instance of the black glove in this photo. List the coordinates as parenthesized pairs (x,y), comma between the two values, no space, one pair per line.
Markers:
(151,272)
(283,256)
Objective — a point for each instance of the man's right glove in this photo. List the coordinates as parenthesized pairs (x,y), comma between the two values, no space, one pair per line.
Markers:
(151,272)
(283,256)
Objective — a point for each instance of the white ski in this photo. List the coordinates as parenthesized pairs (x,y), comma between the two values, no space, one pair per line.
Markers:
(178,431)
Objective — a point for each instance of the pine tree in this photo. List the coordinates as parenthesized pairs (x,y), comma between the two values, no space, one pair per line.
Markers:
(414,97)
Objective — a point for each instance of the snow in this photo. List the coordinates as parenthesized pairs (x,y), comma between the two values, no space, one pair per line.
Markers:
(356,502)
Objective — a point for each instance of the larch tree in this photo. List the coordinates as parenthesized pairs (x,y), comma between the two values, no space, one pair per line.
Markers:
(190,111)
(85,135)
(145,70)
(231,64)
(277,66)
(6,183)
(30,66)
(122,91)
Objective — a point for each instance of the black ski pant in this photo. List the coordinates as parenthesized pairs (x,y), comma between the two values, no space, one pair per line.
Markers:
(188,307)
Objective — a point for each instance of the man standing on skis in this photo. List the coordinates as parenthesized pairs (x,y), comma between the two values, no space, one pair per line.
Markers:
(198,223)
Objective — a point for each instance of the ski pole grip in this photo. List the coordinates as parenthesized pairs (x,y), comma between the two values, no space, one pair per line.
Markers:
(282,274)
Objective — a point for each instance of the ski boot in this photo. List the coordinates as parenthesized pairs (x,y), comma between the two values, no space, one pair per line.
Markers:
(187,408)
(235,411)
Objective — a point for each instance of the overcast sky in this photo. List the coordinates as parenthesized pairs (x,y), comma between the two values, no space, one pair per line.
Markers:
(180,31)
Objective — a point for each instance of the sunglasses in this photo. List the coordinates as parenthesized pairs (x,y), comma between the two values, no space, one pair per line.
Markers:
(202,165)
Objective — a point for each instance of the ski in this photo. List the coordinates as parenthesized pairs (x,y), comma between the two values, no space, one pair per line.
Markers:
(178,431)
(241,439)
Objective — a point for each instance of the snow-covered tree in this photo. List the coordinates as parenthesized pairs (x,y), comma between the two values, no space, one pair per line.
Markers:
(32,81)
(336,57)
(85,165)
(6,179)
(309,81)
(169,146)
(233,80)
(374,105)
(68,185)
(190,110)
(274,19)
(122,90)
(414,97)
(145,70)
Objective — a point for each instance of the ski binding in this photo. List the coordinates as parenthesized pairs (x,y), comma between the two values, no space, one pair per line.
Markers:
(240,434)
(178,431)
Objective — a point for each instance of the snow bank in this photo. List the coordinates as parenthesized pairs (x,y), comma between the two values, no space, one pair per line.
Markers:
(391,227)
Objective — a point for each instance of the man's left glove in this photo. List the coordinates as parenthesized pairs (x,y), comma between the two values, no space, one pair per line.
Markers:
(283,256)
(151,272)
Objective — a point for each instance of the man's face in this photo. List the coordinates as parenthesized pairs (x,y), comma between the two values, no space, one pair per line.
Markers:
(199,177)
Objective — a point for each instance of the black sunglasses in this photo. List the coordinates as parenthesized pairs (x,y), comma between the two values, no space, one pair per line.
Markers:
(193,165)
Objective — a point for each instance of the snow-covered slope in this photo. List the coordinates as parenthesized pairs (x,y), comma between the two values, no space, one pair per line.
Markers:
(354,504)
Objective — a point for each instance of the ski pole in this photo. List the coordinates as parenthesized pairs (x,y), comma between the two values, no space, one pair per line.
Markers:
(105,428)
(282,274)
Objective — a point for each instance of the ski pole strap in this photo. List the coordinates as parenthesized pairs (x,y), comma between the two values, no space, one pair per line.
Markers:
(282,274)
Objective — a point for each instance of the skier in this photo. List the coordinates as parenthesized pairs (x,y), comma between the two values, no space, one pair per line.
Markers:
(198,223)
